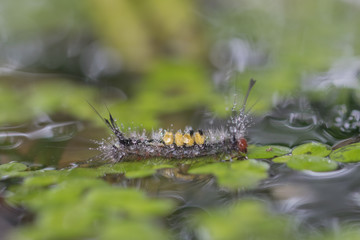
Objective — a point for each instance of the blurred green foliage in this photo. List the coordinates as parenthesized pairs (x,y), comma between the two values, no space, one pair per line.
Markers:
(238,221)
(299,39)
(140,30)
(171,87)
(26,100)
(136,169)
(237,175)
(78,203)
(12,167)
(167,44)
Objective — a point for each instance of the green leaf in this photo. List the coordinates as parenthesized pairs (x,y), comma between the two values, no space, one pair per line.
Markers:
(240,174)
(83,172)
(312,163)
(12,167)
(131,202)
(64,222)
(265,152)
(48,177)
(312,148)
(134,230)
(80,207)
(349,153)
(245,220)
(41,181)
(36,196)
(134,169)
(282,159)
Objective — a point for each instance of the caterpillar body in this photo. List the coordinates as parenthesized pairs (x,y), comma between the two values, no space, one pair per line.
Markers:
(180,145)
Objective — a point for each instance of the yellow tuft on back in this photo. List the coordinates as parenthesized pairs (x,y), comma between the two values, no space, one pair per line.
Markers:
(168,138)
(188,140)
(179,139)
(199,138)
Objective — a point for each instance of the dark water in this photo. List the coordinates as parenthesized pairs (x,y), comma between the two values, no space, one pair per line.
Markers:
(298,121)
(46,142)
(317,201)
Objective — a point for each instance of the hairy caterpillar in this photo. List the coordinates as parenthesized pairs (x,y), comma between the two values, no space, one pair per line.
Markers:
(189,143)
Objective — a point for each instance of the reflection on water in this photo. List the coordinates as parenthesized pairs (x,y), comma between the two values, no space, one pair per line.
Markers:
(317,199)
(57,132)
(294,122)
(343,73)
(46,142)
(235,54)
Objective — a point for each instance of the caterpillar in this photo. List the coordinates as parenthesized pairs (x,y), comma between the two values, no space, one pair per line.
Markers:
(189,143)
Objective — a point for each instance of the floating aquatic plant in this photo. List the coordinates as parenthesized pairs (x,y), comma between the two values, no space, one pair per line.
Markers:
(134,169)
(73,206)
(349,153)
(268,151)
(238,221)
(282,159)
(12,169)
(312,148)
(240,174)
(313,163)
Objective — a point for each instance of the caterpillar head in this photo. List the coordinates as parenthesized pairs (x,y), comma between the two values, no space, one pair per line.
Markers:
(242,145)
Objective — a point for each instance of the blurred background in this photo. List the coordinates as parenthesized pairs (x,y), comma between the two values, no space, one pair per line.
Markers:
(169,64)
(153,63)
